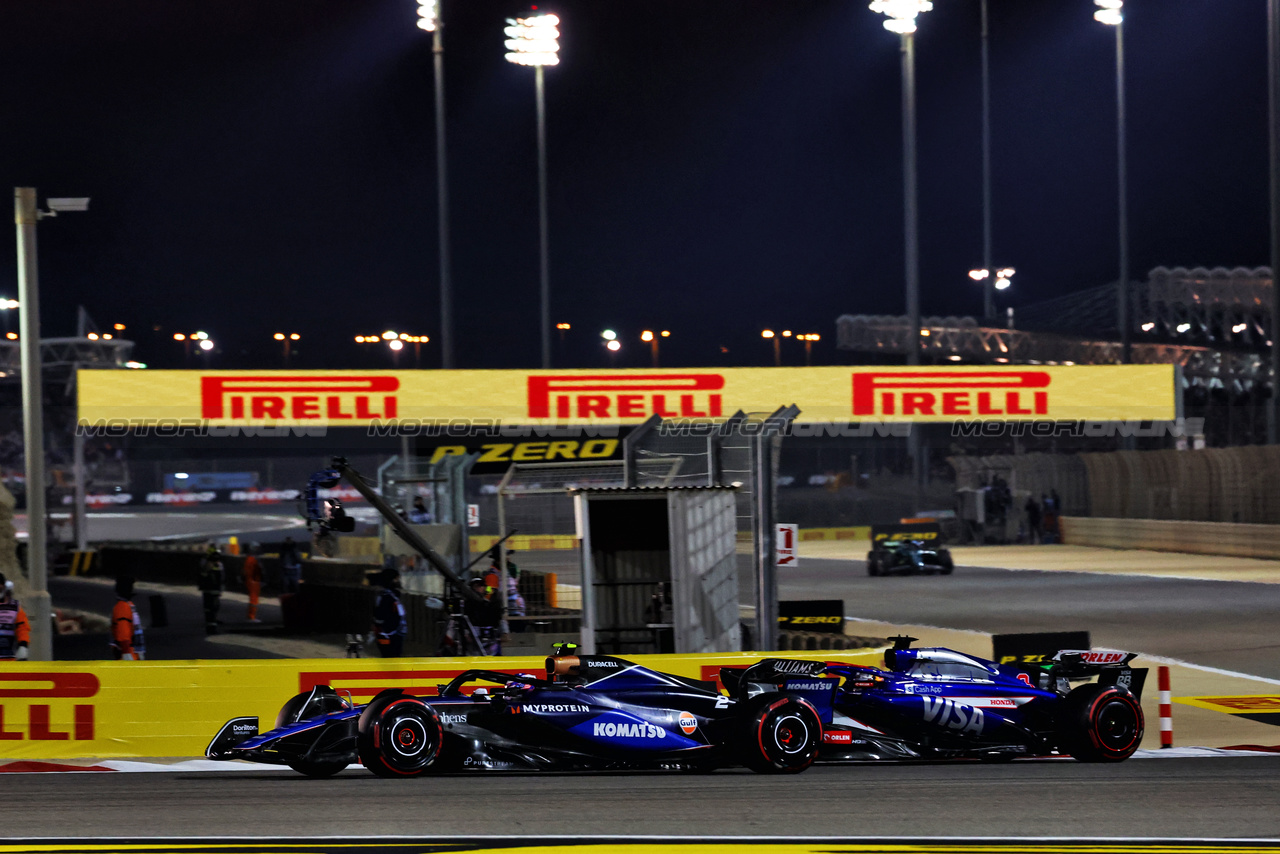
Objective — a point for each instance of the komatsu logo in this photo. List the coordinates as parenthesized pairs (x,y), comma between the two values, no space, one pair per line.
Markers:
(628,730)
(952,715)
(629,396)
(959,393)
(299,398)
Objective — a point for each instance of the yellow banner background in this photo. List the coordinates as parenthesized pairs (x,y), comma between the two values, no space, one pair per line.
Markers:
(174,708)
(823,394)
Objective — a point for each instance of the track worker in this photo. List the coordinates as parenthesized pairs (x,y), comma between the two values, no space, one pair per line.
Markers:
(389,623)
(15,631)
(127,643)
(485,615)
(252,573)
(291,565)
(210,585)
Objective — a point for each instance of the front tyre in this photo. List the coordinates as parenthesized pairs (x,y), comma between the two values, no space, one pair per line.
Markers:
(1101,723)
(781,734)
(400,737)
(873,565)
(317,769)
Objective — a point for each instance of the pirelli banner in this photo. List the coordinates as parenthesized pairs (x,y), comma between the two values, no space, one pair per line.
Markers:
(123,709)
(580,398)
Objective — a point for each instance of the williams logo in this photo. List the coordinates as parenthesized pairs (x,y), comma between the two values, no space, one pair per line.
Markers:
(565,396)
(959,393)
(298,398)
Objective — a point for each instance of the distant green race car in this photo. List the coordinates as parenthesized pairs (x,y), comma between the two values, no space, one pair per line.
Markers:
(909,557)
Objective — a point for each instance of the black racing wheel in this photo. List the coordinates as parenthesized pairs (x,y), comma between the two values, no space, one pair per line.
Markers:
(781,734)
(399,736)
(317,769)
(1101,723)
(873,564)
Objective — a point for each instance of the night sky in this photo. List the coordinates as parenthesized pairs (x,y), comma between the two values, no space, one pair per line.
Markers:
(716,167)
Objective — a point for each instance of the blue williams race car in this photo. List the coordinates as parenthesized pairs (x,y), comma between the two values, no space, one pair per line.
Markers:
(588,713)
(937,703)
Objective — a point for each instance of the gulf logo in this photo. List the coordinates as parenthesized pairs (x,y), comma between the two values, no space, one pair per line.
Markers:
(688,723)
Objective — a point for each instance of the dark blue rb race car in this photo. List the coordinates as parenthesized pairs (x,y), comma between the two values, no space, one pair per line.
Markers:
(937,703)
(586,713)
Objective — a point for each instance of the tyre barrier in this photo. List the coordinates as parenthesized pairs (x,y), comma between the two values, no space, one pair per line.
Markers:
(815,641)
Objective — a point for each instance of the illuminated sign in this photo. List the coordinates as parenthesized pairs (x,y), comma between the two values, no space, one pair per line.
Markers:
(421,402)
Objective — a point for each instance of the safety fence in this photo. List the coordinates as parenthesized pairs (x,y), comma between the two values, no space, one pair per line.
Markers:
(1208,538)
(115,709)
(1208,485)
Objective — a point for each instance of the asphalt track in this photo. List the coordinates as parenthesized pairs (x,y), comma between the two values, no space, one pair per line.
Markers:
(1212,797)
(1230,625)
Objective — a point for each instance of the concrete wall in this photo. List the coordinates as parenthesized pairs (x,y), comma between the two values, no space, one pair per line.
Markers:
(1210,538)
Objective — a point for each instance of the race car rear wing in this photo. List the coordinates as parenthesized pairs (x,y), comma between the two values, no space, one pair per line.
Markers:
(771,672)
(1111,666)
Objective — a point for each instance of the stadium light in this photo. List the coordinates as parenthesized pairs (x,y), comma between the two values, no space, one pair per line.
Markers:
(1109,13)
(901,14)
(534,41)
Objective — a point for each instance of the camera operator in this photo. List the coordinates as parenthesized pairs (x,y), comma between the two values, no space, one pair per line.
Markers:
(389,623)
(485,616)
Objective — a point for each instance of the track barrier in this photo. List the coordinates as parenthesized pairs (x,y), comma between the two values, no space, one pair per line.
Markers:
(1166,708)
(133,709)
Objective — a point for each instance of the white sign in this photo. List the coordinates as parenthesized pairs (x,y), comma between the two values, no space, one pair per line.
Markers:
(473,515)
(787,541)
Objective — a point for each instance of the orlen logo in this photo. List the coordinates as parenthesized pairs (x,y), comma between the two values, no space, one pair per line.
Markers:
(837,737)
(40,723)
(688,723)
(959,393)
(1103,656)
(301,397)
(625,396)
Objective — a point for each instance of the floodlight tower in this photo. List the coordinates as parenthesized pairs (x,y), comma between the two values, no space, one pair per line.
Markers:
(902,20)
(534,40)
(429,20)
(1109,13)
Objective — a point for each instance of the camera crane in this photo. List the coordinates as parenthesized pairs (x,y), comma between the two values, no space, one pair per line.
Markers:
(328,515)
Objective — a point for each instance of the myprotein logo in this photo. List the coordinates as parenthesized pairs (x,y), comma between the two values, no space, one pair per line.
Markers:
(565,396)
(299,398)
(1008,394)
(47,721)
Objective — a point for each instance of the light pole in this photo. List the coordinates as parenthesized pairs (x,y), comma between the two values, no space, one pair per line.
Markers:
(1273,123)
(286,339)
(902,20)
(769,334)
(988,298)
(26,215)
(429,20)
(533,40)
(1109,13)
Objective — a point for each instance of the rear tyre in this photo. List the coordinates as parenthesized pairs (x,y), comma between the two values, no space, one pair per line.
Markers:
(317,769)
(873,565)
(1101,723)
(400,737)
(781,734)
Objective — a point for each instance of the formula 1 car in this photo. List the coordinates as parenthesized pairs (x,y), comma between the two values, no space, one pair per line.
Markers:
(589,713)
(938,703)
(909,557)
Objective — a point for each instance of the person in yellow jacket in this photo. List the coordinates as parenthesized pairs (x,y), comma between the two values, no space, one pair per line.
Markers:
(127,643)
(15,631)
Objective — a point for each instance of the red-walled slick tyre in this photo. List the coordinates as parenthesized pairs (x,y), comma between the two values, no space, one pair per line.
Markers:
(781,735)
(399,737)
(1101,723)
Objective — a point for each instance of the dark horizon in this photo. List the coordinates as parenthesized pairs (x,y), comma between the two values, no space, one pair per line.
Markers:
(715,168)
